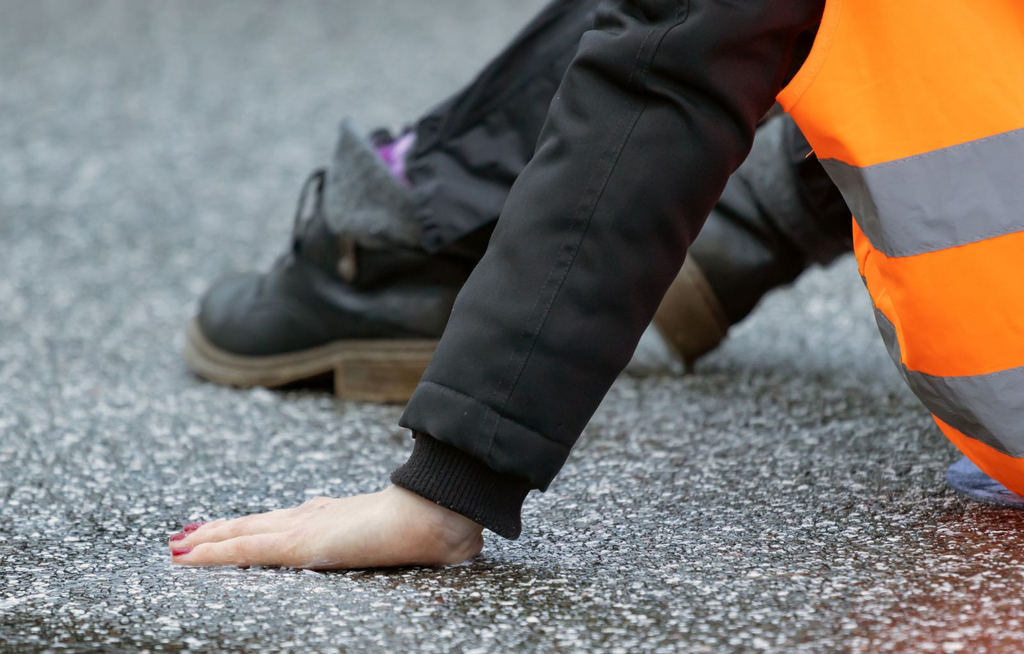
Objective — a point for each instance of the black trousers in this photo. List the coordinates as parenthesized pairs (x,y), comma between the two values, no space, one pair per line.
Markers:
(653,113)
(471,148)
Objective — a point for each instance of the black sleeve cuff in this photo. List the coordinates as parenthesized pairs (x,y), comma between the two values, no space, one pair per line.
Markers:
(457,481)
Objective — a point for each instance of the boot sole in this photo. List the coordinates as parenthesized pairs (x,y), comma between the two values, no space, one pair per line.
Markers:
(385,371)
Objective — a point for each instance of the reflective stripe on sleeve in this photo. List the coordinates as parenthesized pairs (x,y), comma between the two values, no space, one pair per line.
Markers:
(938,200)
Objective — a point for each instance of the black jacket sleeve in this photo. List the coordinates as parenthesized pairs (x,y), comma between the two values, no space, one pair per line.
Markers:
(656,110)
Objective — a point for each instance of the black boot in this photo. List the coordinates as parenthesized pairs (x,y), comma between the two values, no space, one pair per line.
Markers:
(369,316)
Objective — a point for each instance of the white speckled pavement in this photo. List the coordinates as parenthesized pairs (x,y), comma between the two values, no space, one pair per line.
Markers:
(788,497)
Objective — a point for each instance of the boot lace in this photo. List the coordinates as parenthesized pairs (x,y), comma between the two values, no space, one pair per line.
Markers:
(346,264)
(315,181)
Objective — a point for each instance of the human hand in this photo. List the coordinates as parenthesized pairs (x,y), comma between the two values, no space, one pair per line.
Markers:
(394,527)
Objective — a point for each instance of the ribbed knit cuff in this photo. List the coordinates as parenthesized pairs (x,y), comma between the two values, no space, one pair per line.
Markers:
(457,481)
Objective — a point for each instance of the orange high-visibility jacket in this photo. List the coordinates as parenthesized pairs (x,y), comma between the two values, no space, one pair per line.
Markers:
(916,109)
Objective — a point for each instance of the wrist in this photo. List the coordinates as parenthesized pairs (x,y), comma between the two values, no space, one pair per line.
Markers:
(451,478)
(455,537)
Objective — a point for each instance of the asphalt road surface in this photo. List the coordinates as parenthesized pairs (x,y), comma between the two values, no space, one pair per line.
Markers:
(787,497)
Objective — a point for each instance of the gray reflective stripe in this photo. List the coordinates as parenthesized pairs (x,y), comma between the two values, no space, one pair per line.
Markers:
(949,197)
(988,408)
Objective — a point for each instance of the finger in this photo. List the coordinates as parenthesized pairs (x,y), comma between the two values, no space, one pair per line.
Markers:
(275,549)
(270,522)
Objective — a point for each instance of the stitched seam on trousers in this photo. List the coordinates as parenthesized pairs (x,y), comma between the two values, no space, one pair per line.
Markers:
(583,220)
(495,105)
(520,40)
(526,428)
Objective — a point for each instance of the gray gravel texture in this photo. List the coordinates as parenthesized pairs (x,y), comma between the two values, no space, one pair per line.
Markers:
(788,497)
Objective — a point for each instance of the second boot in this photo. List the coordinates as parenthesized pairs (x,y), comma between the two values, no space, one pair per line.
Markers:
(779,214)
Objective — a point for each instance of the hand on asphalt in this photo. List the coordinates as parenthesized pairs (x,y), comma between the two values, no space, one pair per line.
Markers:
(393,527)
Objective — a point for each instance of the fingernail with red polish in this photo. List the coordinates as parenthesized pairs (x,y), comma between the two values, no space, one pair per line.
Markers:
(181,551)
(192,526)
(179,536)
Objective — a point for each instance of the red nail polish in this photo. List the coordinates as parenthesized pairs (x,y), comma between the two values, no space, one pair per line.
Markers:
(179,536)
(192,526)
(181,551)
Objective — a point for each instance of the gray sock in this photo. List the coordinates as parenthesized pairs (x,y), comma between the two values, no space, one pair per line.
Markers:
(363,200)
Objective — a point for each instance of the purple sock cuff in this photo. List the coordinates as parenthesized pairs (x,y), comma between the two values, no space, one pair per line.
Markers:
(393,155)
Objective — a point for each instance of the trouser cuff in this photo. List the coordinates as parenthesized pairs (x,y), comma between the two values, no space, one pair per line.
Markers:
(457,481)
